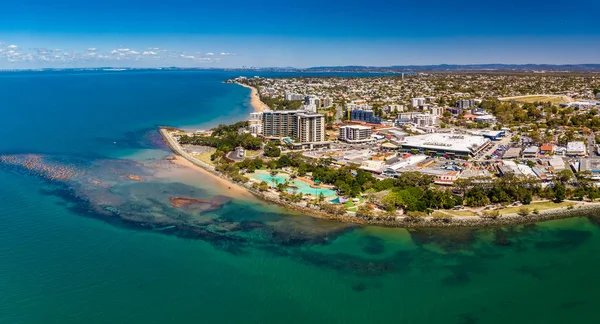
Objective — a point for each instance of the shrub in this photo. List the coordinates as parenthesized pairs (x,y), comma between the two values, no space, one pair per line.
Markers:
(491,214)
(523,211)
(414,217)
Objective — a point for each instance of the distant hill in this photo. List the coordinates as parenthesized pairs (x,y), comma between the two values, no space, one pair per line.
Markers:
(465,67)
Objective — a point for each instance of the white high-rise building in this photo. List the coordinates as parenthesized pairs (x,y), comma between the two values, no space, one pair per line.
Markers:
(355,134)
(255,123)
(293,96)
(437,111)
(416,102)
(327,102)
(424,119)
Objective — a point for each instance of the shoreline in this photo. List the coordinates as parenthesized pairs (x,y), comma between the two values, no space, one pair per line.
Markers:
(255,101)
(183,158)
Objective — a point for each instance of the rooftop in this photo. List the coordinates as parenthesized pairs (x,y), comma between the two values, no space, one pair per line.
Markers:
(450,142)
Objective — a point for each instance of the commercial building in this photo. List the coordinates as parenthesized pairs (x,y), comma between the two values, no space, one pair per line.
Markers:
(367,116)
(512,153)
(530,152)
(490,119)
(404,162)
(355,134)
(304,126)
(556,163)
(450,144)
(576,149)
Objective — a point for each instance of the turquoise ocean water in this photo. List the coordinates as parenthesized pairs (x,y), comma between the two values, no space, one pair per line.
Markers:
(97,247)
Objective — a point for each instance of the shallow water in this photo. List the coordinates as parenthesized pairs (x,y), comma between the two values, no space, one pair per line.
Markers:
(102,247)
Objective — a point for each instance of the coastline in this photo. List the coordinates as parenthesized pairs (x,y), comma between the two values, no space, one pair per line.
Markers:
(183,158)
(255,101)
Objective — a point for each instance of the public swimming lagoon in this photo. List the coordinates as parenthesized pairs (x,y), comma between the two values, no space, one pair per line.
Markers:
(300,186)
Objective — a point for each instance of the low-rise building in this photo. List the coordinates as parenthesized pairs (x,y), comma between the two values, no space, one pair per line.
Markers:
(576,149)
(442,177)
(372,166)
(556,163)
(530,152)
(512,153)
(546,149)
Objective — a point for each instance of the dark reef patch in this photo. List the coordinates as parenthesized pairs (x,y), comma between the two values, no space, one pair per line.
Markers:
(359,287)
(572,304)
(374,245)
(467,318)
(449,239)
(564,240)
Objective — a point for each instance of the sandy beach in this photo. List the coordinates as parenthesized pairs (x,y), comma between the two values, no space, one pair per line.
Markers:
(184,159)
(233,190)
(255,101)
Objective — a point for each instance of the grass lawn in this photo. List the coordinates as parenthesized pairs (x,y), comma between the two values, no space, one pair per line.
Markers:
(205,156)
(539,205)
(461,212)
(252,153)
(351,206)
(555,99)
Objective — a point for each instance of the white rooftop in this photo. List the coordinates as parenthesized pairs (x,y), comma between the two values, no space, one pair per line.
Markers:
(449,142)
(575,147)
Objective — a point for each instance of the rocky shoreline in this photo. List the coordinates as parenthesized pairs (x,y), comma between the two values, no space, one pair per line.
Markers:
(399,221)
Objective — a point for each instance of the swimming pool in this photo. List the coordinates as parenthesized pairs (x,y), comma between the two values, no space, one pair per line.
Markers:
(302,187)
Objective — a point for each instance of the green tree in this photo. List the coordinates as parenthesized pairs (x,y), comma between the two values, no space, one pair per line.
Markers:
(559,192)
(272,150)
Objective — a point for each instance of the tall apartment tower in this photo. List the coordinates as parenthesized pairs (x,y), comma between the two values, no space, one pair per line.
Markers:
(305,126)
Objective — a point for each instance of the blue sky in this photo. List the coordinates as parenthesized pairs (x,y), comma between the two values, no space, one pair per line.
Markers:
(69,33)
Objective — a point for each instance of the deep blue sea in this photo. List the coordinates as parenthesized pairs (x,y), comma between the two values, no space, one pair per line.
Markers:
(81,242)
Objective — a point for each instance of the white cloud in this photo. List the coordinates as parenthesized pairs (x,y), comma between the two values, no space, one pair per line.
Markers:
(88,56)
